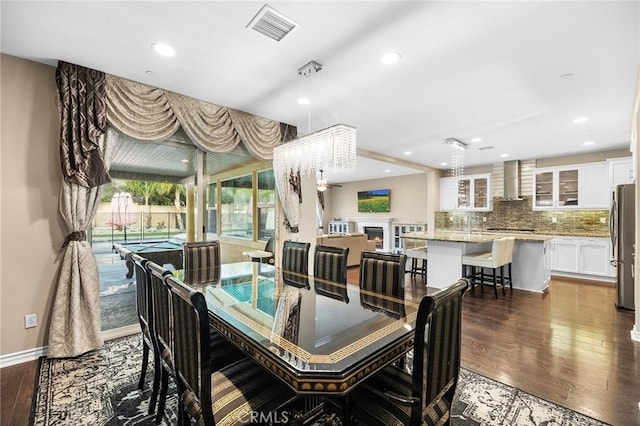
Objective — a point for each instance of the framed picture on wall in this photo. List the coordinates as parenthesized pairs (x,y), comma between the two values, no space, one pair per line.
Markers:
(374,201)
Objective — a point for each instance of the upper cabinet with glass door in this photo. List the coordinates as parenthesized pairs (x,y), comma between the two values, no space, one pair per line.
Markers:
(583,186)
(555,188)
(469,193)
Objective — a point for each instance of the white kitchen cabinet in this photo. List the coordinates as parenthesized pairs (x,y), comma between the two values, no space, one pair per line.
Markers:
(565,254)
(468,193)
(583,186)
(594,256)
(555,188)
(593,186)
(448,194)
(581,256)
(341,227)
(620,171)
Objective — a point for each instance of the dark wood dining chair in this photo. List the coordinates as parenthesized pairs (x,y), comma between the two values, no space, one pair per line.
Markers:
(163,331)
(382,282)
(330,272)
(145,318)
(394,397)
(228,396)
(202,262)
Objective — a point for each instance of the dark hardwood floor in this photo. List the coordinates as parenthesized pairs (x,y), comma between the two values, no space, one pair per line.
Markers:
(17,384)
(570,346)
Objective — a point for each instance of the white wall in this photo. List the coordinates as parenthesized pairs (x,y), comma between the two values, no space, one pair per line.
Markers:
(411,199)
(31,228)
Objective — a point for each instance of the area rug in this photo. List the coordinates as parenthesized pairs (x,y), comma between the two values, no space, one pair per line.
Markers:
(100,388)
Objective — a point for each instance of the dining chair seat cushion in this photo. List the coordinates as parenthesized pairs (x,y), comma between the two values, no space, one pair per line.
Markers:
(374,408)
(237,391)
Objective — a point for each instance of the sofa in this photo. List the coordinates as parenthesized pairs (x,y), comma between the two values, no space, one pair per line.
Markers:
(355,242)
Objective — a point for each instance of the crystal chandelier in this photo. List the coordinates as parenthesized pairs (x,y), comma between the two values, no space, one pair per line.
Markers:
(457,159)
(332,148)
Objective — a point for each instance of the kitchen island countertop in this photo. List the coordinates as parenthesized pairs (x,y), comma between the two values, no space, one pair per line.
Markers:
(473,237)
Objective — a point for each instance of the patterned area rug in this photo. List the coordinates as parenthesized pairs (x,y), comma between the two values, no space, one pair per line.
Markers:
(100,388)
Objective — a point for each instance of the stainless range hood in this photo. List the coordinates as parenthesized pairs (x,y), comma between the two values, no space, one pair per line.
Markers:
(511,185)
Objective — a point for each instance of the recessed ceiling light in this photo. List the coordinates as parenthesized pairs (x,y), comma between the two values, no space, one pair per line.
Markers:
(587,143)
(504,155)
(567,75)
(304,101)
(390,58)
(580,120)
(407,153)
(185,160)
(163,49)
(476,140)
(444,163)
(387,170)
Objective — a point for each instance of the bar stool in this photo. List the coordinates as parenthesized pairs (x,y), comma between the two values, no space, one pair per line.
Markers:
(418,254)
(494,260)
(508,257)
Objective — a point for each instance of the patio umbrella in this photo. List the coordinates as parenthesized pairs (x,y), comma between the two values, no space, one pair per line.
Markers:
(123,212)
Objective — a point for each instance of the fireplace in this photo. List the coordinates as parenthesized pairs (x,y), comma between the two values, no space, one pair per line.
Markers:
(375,233)
(384,241)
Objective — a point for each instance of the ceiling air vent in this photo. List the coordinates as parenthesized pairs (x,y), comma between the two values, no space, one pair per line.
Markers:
(272,23)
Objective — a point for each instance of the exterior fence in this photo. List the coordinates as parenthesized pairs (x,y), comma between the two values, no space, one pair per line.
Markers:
(139,226)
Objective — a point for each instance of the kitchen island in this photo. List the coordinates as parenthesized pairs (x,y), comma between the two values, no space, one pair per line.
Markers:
(530,267)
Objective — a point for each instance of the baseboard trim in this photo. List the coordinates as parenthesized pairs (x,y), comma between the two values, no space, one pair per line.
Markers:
(606,281)
(23,356)
(635,334)
(116,333)
(32,354)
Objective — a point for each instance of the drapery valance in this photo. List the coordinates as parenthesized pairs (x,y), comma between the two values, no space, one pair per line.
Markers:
(150,114)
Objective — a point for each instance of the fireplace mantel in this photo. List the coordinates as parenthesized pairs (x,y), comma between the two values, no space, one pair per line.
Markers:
(384,223)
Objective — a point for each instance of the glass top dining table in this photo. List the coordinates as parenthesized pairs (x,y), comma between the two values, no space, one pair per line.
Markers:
(319,337)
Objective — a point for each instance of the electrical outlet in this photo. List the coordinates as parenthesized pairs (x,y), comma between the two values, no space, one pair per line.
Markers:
(603,220)
(554,219)
(30,321)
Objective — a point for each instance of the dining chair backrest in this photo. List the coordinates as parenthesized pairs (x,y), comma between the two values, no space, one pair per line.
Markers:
(382,282)
(160,299)
(143,295)
(436,353)
(295,257)
(330,263)
(192,352)
(201,262)
(330,271)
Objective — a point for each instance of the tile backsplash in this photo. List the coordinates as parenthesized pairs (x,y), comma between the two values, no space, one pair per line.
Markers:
(519,215)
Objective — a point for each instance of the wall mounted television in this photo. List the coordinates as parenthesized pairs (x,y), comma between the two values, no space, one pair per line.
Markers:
(374,201)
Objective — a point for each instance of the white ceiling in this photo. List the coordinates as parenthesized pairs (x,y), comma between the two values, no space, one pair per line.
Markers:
(469,69)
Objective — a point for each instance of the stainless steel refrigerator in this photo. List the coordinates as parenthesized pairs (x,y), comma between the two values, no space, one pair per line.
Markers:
(622,232)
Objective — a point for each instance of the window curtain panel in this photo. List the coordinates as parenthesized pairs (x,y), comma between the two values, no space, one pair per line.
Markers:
(75,317)
(150,114)
(290,195)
